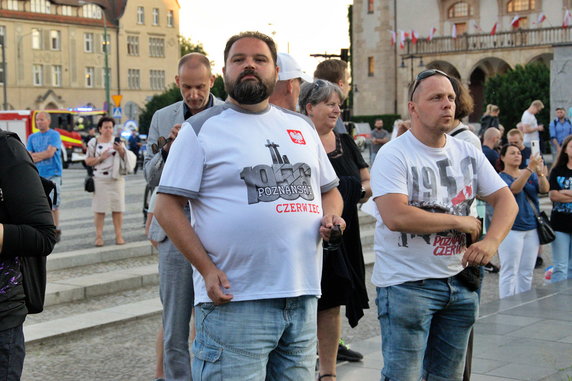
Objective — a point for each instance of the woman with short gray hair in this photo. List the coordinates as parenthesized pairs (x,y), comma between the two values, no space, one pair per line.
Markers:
(343,270)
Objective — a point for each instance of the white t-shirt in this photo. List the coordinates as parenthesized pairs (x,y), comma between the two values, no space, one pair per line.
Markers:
(467,136)
(440,180)
(530,119)
(255,182)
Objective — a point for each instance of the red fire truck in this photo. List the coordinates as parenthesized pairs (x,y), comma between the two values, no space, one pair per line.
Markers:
(72,125)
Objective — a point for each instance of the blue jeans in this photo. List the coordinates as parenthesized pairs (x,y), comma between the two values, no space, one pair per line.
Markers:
(562,256)
(425,327)
(12,353)
(269,339)
(177,295)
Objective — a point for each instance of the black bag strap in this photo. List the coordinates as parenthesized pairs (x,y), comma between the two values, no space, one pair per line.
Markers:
(531,204)
(459,131)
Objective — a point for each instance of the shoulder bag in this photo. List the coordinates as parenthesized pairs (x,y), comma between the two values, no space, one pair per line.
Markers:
(545,232)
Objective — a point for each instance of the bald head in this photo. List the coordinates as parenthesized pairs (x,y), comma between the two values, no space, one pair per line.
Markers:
(195,81)
(491,137)
(43,121)
(194,60)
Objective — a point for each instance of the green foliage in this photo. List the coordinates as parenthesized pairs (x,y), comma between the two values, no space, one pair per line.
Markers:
(187,46)
(218,88)
(168,97)
(515,90)
(388,120)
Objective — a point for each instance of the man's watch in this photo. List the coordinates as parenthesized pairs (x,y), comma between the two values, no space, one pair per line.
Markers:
(362,194)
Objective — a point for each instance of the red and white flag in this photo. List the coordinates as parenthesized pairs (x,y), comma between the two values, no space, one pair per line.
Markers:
(454,31)
(567,19)
(541,18)
(431,33)
(476,26)
(494,29)
(402,36)
(515,22)
(393,37)
(414,36)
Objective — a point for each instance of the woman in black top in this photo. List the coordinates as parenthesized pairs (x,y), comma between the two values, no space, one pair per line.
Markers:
(343,272)
(26,229)
(561,219)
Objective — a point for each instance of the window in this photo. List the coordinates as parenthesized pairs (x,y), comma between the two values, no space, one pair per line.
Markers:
(155,16)
(157,79)
(370,6)
(56,76)
(67,10)
(91,11)
(520,5)
(370,66)
(36,39)
(460,9)
(133,45)
(140,15)
(156,47)
(38,75)
(89,76)
(170,19)
(88,42)
(12,5)
(55,40)
(133,80)
(40,6)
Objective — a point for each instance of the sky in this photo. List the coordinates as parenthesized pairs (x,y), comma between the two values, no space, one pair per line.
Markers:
(299,27)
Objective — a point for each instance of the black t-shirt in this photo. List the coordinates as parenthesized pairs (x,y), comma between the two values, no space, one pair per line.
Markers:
(561,218)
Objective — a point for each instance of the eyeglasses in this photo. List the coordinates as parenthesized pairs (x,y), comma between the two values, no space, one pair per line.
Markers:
(423,75)
(317,84)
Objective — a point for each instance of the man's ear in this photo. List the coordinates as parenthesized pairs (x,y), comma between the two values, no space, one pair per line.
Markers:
(212,79)
(290,86)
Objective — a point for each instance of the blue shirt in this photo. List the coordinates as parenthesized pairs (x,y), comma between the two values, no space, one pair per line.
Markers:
(38,142)
(526,218)
(560,130)
(491,155)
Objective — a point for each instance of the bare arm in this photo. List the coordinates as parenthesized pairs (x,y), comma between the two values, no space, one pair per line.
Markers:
(505,211)
(399,216)
(170,215)
(365,183)
(562,195)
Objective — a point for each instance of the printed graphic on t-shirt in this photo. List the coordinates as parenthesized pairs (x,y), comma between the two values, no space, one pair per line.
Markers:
(564,183)
(268,183)
(296,136)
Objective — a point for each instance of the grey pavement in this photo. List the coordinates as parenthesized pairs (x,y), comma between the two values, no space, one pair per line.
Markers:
(525,337)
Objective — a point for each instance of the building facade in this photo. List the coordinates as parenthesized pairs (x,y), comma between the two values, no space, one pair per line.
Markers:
(463,44)
(55,52)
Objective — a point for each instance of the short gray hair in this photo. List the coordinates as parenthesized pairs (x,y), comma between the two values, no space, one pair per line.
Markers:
(317,92)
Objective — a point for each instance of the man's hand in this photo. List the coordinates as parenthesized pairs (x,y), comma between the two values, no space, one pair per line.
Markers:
(541,127)
(172,136)
(479,253)
(215,281)
(328,221)
(470,225)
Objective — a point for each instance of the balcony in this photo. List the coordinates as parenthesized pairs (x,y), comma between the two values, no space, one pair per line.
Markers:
(522,38)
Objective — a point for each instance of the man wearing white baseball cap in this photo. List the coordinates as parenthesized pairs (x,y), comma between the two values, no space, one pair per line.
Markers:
(290,77)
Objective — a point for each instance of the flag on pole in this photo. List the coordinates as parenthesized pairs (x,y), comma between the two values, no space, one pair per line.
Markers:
(414,36)
(431,33)
(454,31)
(401,39)
(567,19)
(494,29)
(541,18)
(476,26)
(515,21)
(393,37)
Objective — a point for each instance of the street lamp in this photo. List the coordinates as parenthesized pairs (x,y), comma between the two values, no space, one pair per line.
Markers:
(105,51)
(5,79)
(411,57)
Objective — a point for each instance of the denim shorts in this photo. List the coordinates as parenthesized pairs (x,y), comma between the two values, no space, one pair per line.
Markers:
(425,327)
(269,339)
(57,180)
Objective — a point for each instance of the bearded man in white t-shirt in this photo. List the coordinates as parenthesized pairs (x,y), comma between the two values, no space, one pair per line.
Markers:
(424,183)
(262,193)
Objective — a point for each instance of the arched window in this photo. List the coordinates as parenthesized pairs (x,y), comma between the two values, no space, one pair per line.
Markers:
(460,9)
(520,5)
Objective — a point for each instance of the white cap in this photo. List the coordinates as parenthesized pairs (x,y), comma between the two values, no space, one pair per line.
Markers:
(289,68)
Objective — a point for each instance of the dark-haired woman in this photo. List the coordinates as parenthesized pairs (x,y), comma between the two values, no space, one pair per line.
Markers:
(561,218)
(519,249)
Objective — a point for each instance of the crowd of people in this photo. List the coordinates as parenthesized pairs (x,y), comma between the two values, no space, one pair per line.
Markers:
(255,217)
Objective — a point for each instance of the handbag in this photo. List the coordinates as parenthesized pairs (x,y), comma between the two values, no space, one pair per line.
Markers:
(88,184)
(545,232)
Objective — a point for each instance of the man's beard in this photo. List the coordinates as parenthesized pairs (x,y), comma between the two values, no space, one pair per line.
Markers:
(249,92)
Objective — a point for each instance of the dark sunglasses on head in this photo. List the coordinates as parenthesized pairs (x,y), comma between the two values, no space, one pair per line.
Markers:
(316,85)
(423,75)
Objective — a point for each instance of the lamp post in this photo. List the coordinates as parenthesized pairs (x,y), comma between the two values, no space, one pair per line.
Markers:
(5,79)
(411,57)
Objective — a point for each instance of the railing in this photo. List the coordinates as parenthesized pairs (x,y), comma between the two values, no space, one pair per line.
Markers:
(484,41)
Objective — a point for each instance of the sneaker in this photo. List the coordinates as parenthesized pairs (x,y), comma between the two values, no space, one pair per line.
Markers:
(539,262)
(58,235)
(491,268)
(346,354)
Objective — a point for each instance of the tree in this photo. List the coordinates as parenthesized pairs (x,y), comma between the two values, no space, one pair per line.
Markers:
(169,96)
(218,88)
(187,46)
(515,90)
